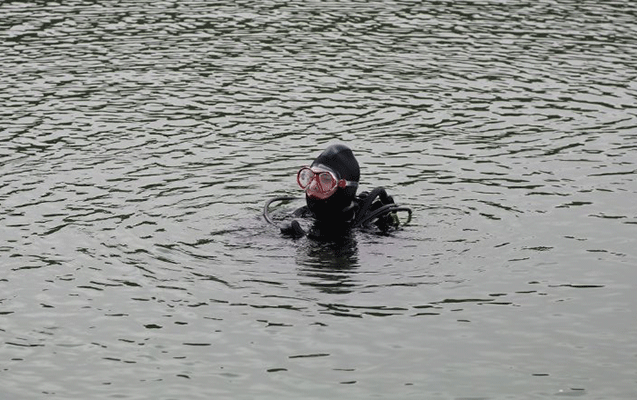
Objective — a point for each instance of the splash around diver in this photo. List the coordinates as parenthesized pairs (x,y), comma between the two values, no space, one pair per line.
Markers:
(330,184)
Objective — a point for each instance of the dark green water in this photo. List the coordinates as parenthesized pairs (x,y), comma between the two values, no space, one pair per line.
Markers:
(139,141)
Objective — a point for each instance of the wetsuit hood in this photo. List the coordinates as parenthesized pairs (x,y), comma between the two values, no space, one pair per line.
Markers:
(341,161)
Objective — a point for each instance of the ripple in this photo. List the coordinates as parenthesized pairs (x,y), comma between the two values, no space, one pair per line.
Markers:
(139,140)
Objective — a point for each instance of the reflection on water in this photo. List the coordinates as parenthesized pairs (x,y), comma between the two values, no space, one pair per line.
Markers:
(139,141)
(328,265)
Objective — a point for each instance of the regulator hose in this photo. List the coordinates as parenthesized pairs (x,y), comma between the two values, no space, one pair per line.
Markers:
(266,208)
(388,206)
(292,228)
(384,210)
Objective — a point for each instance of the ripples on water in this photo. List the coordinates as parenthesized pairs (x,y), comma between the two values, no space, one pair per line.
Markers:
(139,140)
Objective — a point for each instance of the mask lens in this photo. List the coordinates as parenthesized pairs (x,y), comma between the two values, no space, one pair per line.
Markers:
(326,181)
(305,177)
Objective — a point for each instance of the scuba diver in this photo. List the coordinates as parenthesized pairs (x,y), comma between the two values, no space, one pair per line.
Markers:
(330,185)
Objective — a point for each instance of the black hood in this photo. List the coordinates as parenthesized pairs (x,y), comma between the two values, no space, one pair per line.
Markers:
(341,161)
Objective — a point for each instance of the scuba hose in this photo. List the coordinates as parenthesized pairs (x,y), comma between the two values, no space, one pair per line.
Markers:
(266,209)
(385,210)
(370,209)
(293,228)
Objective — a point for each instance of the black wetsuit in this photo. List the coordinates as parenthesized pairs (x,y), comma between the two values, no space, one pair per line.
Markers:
(375,209)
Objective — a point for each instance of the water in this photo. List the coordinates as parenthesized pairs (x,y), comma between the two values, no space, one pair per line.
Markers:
(139,141)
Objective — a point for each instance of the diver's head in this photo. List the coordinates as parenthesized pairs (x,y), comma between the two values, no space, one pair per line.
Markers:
(330,183)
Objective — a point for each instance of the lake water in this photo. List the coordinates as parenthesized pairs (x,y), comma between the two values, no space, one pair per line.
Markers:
(140,139)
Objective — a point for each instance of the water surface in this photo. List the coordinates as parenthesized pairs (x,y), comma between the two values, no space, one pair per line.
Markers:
(139,141)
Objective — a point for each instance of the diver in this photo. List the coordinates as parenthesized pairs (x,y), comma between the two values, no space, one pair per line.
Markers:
(330,184)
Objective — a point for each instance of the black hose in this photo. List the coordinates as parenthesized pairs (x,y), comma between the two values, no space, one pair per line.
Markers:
(388,206)
(367,203)
(385,209)
(266,211)
(293,228)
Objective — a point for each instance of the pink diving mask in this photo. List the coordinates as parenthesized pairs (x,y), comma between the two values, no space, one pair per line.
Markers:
(320,183)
